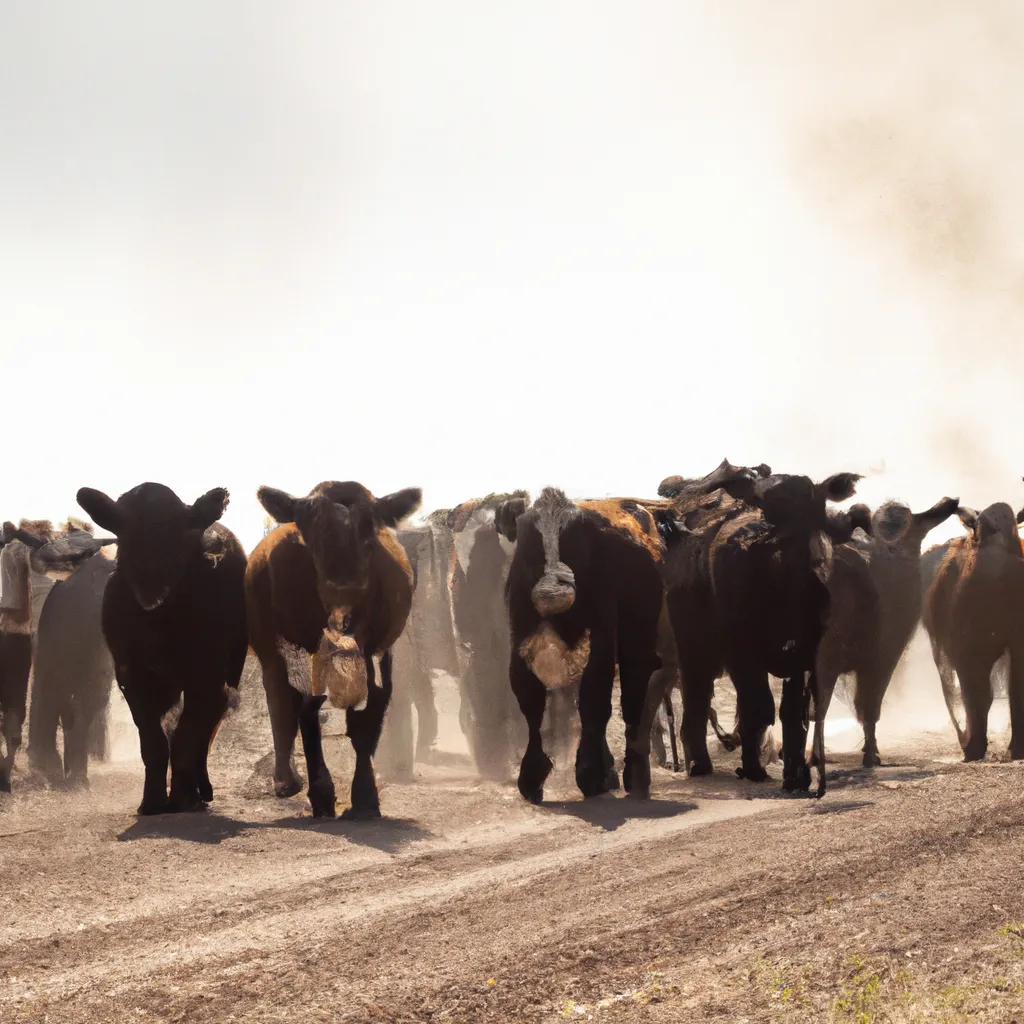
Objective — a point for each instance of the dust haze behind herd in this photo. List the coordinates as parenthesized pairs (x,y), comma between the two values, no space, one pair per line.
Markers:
(471,247)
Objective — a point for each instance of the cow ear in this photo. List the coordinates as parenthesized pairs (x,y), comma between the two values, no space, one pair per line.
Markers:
(205,511)
(279,505)
(393,508)
(506,517)
(1020,516)
(840,486)
(101,509)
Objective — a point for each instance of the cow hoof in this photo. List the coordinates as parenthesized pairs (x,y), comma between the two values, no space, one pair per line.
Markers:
(76,783)
(149,807)
(611,782)
(636,776)
(287,788)
(872,760)
(360,814)
(534,796)
(797,781)
(591,780)
(185,805)
(757,774)
(700,766)
(206,792)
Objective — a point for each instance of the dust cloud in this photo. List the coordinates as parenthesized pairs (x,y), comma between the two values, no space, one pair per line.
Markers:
(788,233)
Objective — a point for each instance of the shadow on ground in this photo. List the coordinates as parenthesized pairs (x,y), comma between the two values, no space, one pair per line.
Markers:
(388,835)
(612,812)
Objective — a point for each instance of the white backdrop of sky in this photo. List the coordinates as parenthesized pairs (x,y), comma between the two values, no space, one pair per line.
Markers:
(475,246)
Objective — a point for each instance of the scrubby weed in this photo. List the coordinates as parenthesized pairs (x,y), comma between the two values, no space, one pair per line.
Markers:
(1015,933)
(872,992)
(781,984)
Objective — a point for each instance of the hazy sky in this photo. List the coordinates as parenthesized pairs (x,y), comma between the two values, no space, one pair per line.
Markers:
(476,246)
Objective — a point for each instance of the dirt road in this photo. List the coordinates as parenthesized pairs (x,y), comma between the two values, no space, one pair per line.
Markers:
(897,897)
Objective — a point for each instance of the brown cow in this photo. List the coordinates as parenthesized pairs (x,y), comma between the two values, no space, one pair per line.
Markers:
(974,614)
(325,592)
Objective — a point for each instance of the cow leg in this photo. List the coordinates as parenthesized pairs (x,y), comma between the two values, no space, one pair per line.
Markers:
(755,707)
(659,693)
(215,709)
(99,724)
(144,698)
(284,704)
(364,730)
(592,776)
(638,664)
(825,686)
(796,773)
(76,745)
(949,689)
(976,690)
(396,754)
(48,712)
(16,667)
(532,697)
(697,689)
(664,720)
(1015,695)
(191,736)
(867,702)
(426,712)
(321,785)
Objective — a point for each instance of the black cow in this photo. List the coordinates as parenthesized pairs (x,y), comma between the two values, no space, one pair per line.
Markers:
(747,594)
(174,620)
(584,592)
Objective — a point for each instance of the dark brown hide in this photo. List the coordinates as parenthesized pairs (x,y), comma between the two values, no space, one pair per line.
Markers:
(745,573)
(875,591)
(332,581)
(974,614)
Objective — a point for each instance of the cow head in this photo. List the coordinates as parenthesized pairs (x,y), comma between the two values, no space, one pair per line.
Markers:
(339,522)
(995,526)
(897,526)
(543,533)
(797,507)
(158,535)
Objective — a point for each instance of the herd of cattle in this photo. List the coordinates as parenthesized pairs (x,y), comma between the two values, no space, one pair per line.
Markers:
(744,573)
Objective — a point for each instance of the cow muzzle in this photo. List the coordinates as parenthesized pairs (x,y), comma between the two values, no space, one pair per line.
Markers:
(555,591)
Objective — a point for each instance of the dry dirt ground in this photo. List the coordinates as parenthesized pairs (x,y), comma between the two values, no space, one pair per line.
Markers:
(895,898)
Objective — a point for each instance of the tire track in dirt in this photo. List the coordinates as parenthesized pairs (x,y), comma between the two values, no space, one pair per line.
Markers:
(332,885)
